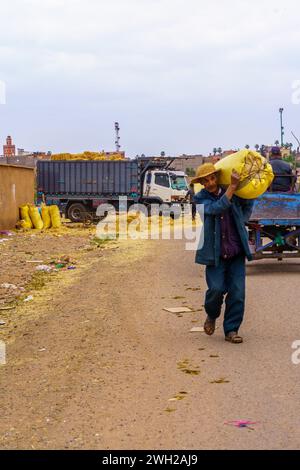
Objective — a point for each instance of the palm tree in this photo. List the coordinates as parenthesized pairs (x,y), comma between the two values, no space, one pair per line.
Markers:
(162,154)
(247,146)
(276,142)
(215,150)
(257,147)
(220,150)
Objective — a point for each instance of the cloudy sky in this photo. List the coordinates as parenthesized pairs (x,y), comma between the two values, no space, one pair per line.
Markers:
(182,76)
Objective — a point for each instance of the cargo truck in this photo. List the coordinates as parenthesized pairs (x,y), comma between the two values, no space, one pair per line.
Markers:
(78,187)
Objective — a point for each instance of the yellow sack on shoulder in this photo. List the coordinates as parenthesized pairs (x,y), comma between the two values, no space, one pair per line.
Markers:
(46,218)
(25,218)
(36,219)
(256,173)
(55,216)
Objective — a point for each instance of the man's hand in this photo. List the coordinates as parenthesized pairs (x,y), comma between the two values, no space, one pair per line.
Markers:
(235,180)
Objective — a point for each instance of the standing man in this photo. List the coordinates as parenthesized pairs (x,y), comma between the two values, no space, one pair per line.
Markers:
(284,179)
(190,197)
(224,250)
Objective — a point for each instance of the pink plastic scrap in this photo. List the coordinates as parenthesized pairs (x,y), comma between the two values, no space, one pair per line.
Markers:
(241,423)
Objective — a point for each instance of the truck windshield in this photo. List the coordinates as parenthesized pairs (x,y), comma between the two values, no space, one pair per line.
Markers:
(179,183)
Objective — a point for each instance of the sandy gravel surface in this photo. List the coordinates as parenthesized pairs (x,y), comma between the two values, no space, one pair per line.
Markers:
(95,362)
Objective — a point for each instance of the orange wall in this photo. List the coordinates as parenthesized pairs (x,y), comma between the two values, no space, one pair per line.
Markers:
(16,188)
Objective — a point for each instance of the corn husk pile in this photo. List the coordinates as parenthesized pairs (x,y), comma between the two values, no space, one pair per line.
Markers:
(88,156)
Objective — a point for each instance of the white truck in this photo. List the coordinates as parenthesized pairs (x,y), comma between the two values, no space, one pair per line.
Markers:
(78,187)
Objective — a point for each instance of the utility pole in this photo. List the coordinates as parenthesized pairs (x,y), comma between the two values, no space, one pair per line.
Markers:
(281,126)
(117,141)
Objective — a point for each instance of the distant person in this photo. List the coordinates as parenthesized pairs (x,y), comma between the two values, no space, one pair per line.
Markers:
(283,174)
(190,197)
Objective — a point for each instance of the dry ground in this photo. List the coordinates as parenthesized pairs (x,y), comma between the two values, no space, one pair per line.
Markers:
(93,361)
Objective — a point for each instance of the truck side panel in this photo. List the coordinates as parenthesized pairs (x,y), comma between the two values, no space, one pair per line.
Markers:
(81,177)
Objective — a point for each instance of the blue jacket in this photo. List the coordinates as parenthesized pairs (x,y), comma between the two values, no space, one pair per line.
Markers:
(210,252)
(280,169)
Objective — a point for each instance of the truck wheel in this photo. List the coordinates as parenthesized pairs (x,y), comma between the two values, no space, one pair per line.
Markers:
(77,212)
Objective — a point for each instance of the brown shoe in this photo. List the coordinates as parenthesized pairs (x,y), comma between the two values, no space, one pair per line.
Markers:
(209,326)
(233,337)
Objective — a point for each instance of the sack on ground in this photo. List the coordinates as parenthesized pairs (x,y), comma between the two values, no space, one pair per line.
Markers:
(35,217)
(55,216)
(46,216)
(25,218)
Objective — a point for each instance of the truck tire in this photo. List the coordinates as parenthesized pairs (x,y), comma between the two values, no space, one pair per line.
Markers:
(77,212)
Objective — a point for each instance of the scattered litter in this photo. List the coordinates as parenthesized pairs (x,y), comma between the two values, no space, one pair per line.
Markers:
(177,309)
(170,410)
(8,286)
(34,261)
(7,233)
(178,397)
(30,297)
(60,265)
(2,322)
(2,240)
(193,288)
(241,423)
(177,297)
(222,380)
(196,329)
(214,355)
(71,267)
(184,367)
(42,350)
(43,267)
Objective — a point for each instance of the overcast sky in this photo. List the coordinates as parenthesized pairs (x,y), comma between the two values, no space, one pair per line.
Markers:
(182,76)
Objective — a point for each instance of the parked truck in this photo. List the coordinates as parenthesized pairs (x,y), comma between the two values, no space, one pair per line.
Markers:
(78,187)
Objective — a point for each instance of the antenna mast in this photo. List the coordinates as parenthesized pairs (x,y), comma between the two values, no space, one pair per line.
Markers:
(117,141)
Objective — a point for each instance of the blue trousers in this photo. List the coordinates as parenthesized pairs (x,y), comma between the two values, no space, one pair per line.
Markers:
(227,278)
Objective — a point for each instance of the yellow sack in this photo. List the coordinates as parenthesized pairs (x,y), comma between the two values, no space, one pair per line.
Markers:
(35,217)
(55,216)
(23,224)
(256,173)
(198,187)
(25,218)
(46,218)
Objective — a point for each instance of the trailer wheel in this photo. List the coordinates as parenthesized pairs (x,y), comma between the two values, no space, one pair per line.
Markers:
(77,212)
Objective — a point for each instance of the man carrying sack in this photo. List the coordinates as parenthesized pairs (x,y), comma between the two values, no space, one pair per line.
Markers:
(224,249)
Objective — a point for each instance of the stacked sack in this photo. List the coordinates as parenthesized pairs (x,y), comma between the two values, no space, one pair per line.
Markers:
(46,217)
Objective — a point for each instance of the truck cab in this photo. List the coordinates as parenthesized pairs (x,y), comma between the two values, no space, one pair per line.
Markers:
(167,186)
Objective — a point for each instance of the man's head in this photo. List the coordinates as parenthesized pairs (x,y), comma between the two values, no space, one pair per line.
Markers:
(275,152)
(207,175)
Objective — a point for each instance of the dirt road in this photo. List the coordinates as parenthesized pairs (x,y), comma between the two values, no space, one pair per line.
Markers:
(97,362)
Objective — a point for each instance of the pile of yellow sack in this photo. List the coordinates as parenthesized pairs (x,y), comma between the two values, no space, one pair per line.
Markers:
(255,172)
(47,217)
(89,156)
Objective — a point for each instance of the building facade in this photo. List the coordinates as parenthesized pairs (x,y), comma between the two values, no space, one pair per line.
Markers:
(9,150)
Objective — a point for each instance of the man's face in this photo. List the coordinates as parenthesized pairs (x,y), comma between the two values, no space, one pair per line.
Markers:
(210,183)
